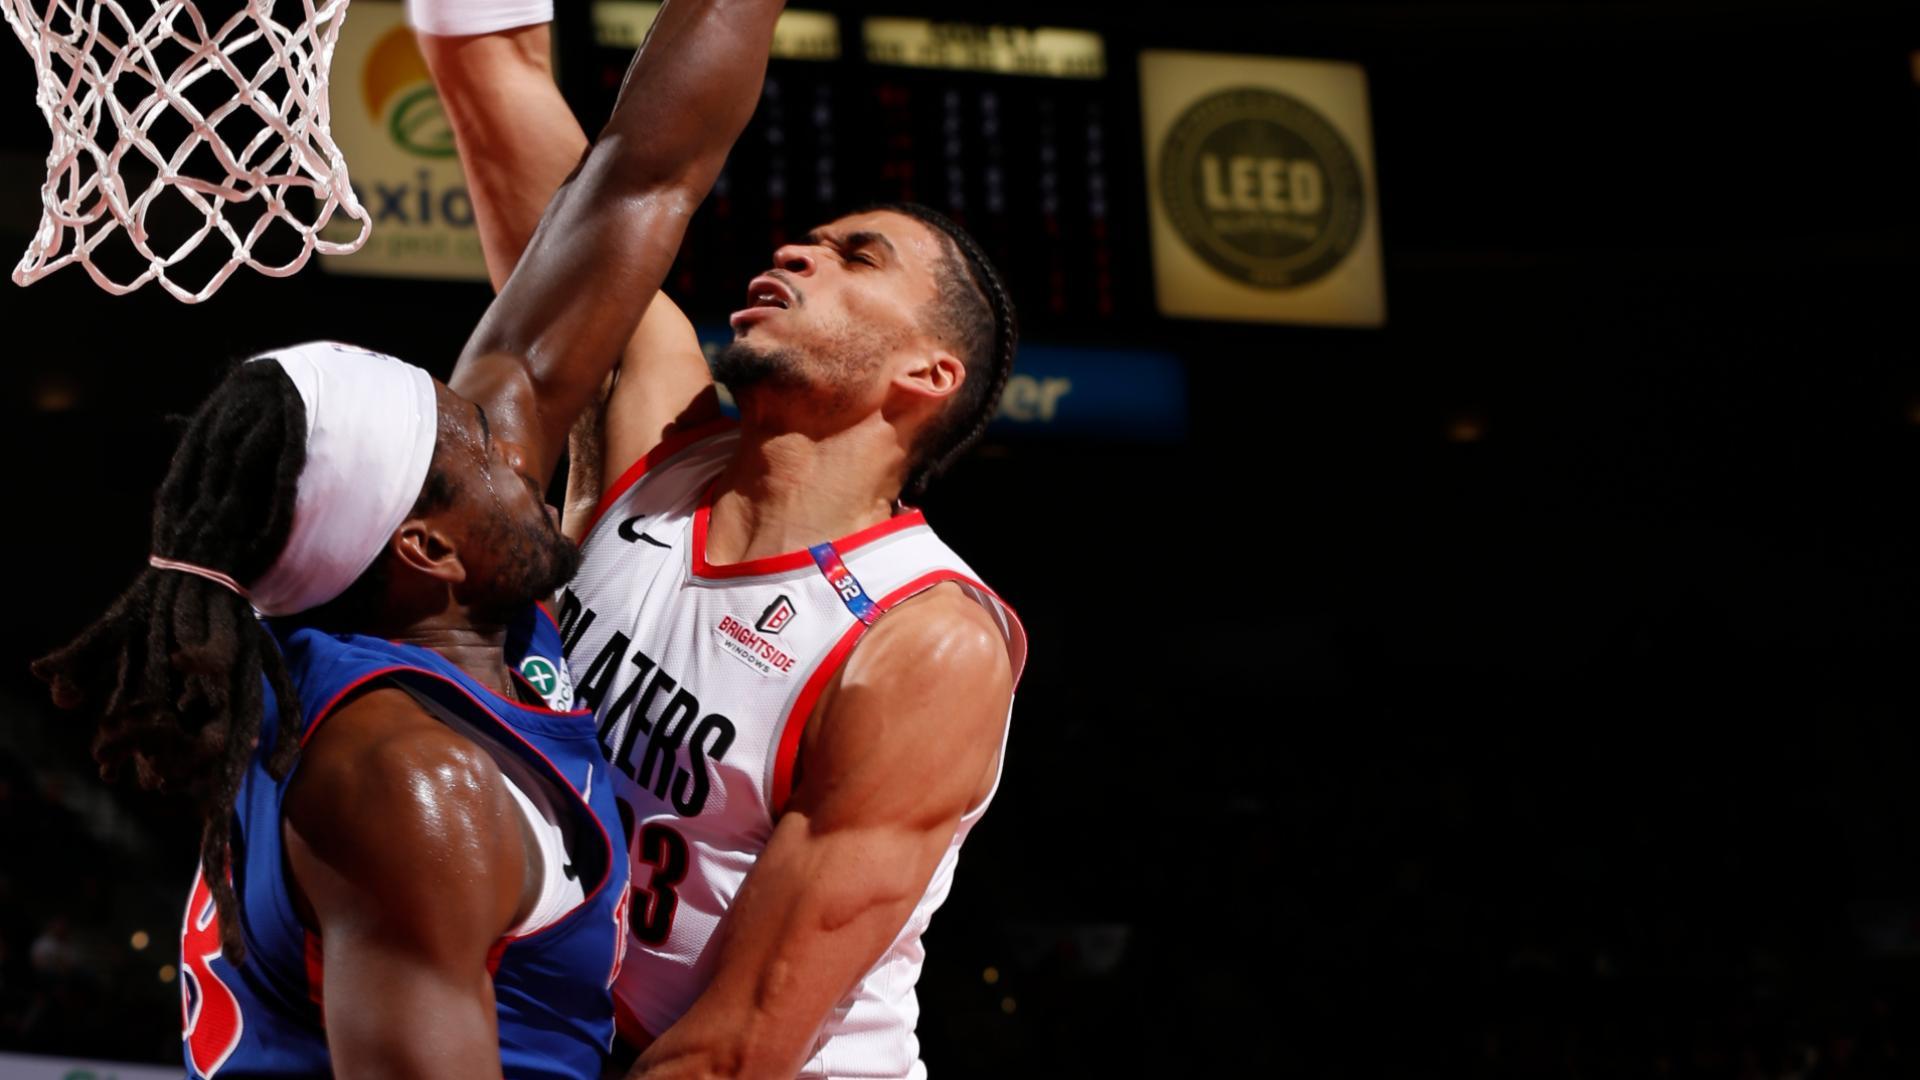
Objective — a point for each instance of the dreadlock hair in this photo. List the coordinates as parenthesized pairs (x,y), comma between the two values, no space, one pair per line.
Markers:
(975,314)
(174,667)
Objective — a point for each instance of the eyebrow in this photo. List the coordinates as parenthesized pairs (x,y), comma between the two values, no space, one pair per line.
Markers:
(853,241)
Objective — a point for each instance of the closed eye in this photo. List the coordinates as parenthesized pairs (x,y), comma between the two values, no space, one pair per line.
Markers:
(866,247)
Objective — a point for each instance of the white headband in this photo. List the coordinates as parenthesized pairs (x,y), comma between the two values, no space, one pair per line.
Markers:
(371,424)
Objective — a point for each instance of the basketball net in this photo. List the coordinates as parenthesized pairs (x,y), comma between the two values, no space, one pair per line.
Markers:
(134,91)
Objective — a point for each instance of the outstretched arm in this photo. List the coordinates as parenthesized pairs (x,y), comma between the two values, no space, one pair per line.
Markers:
(907,740)
(518,140)
(589,271)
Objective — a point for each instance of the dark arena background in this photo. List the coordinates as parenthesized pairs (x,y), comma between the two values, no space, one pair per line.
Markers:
(1522,686)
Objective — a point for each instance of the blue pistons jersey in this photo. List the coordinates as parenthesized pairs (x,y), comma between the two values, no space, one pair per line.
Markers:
(263,1016)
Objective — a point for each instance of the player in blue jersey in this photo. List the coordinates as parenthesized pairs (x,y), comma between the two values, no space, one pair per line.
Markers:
(409,864)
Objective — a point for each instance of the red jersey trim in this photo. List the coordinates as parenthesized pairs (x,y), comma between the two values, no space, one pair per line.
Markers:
(816,684)
(628,1025)
(499,698)
(668,447)
(316,974)
(792,560)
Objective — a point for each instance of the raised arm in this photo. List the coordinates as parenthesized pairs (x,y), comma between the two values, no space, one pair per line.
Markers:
(410,865)
(905,743)
(589,271)
(518,140)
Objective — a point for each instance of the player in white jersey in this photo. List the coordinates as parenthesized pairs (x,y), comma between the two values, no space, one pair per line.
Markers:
(803,693)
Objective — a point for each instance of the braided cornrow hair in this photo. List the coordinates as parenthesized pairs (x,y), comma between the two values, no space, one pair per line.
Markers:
(174,667)
(977,316)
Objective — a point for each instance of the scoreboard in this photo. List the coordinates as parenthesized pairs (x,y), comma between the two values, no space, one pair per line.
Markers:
(1021,134)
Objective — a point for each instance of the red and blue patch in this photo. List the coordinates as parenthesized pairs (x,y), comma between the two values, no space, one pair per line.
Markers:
(844,583)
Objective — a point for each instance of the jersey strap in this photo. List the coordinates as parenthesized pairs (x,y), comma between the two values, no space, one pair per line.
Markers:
(844,583)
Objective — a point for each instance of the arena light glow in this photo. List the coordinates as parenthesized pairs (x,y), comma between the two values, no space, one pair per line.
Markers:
(1466,429)
(1047,51)
(799,35)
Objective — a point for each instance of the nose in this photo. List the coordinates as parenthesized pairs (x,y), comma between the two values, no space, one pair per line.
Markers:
(796,259)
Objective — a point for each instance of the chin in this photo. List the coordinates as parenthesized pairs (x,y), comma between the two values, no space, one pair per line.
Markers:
(742,364)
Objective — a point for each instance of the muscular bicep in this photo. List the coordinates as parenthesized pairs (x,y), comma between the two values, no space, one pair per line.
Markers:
(409,868)
(566,313)
(908,733)
(906,744)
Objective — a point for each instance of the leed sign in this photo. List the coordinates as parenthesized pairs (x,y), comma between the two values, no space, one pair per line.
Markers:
(1262,201)
(1262,187)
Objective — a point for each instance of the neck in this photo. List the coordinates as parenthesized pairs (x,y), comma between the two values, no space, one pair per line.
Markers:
(784,491)
(479,650)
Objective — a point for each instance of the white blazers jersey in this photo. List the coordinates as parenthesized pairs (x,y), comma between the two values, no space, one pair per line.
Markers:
(701,679)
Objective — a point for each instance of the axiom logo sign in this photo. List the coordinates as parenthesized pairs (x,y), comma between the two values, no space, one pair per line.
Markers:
(400,96)
(1262,188)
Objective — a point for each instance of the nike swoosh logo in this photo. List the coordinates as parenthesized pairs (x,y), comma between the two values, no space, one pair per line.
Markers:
(631,534)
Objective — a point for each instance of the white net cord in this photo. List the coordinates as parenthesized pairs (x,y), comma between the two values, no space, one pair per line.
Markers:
(96,66)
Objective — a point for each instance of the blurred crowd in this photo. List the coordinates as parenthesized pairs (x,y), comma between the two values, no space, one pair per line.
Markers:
(74,977)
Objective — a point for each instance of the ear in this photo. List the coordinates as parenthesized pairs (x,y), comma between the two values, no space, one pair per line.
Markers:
(935,376)
(425,548)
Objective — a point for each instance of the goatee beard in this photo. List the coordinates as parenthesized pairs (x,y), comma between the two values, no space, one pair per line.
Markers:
(537,560)
(739,366)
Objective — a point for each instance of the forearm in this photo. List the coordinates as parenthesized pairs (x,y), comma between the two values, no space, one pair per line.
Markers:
(516,135)
(693,85)
(387,1020)
(816,913)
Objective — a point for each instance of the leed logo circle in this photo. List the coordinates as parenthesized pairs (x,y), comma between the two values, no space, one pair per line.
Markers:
(1262,187)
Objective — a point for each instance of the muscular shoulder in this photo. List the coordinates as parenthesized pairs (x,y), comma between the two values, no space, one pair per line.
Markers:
(391,806)
(940,639)
(381,757)
(918,710)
